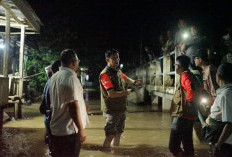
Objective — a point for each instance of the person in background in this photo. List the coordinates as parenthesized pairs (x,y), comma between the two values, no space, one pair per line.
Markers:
(113,98)
(169,44)
(47,110)
(192,44)
(226,52)
(161,45)
(168,48)
(69,117)
(209,80)
(149,56)
(183,28)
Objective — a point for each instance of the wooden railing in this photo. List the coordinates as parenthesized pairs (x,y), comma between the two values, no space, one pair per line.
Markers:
(4,90)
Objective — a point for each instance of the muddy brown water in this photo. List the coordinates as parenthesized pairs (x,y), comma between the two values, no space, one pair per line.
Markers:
(146,135)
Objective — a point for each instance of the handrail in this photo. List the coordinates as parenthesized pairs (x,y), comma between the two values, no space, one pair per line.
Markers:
(159,74)
(171,73)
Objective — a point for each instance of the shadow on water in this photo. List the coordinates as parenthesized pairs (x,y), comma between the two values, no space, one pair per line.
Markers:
(138,151)
(131,129)
(132,151)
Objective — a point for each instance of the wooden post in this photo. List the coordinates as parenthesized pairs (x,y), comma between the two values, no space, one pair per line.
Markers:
(22,39)
(16,109)
(7,45)
(20,109)
(5,60)
(1,118)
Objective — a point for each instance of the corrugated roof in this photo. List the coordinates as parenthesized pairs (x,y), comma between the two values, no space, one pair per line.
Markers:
(21,13)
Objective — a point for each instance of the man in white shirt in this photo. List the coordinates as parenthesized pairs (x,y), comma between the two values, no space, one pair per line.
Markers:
(69,116)
(222,109)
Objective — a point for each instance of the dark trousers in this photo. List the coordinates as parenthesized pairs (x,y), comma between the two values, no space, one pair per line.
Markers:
(225,151)
(66,146)
(181,132)
(48,136)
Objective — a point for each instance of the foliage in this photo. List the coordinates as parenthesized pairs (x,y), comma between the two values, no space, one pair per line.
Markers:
(36,61)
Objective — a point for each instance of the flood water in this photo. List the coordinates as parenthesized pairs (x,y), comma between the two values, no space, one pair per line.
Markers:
(146,135)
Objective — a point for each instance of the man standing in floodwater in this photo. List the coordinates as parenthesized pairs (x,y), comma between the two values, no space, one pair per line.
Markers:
(45,106)
(113,97)
(69,116)
(184,109)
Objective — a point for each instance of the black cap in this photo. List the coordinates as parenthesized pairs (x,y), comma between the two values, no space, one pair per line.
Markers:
(55,65)
(201,53)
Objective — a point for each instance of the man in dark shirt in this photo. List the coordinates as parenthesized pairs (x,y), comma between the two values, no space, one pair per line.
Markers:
(46,98)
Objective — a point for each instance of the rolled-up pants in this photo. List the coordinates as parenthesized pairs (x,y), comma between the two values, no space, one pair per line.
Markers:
(115,123)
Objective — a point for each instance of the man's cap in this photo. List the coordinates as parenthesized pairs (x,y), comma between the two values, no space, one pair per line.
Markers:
(55,65)
(201,53)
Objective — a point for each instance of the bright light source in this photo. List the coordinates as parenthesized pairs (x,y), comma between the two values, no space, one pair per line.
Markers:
(121,66)
(185,35)
(2,46)
(204,100)
(87,77)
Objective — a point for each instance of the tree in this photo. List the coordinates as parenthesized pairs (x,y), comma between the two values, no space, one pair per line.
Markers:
(36,62)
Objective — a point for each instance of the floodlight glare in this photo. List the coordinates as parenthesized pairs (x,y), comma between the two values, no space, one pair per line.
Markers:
(87,77)
(185,35)
(204,100)
(121,66)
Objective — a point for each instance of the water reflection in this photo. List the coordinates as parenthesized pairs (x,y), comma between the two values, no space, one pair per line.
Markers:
(132,151)
(146,134)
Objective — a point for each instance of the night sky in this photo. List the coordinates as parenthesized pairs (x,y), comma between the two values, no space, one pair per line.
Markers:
(123,25)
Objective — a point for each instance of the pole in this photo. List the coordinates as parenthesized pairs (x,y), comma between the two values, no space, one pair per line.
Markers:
(5,61)
(21,56)
(7,45)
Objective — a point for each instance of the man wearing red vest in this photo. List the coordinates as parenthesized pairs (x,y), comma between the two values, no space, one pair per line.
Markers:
(184,109)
